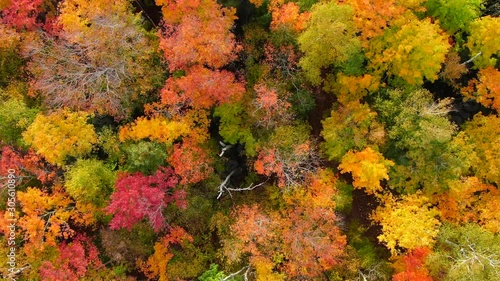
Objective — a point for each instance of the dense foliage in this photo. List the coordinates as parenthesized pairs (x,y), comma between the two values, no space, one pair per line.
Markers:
(249,140)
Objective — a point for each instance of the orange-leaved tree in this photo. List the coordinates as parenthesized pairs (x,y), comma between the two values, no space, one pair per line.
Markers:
(414,268)
(157,265)
(197,32)
(302,240)
(190,162)
(48,218)
(287,16)
(368,167)
(486,89)
(201,88)
(471,201)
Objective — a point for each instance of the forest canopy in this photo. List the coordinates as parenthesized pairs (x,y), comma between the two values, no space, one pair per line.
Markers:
(219,140)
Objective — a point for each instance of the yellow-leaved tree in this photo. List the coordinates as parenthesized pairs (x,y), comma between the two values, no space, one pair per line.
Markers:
(61,134)
(412,50)
(156,129)
(484,39)
(407,222)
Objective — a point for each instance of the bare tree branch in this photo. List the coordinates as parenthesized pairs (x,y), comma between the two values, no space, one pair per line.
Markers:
(471,59)
(245,275)
(224,186)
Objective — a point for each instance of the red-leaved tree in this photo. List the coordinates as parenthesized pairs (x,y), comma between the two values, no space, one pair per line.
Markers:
(22,14)
(138,196)
(202,88)
(414,263)
(74,261)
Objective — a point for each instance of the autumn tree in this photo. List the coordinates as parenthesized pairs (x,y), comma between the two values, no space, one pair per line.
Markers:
(414,266)
(333,26)
(27,166)
(353,126)
(197,32)
(50,217)
(373,17)
(74,261)
(100,61)
(481,136)
(350,89)
(61,134)
(484,40)
(471,201)
(190,162)
(368,167)
(486,89)
(408,222)
(201,88)
(289,155)
(287,16)
(465,253)
(157,129)
(138,196)
(303,238)
(22,14)
(271,108)
(412,50)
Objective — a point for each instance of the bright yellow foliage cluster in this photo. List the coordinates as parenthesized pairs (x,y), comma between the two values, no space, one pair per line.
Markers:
(408,222)
(264,270)
(61,134)
(156,129)
(350,88)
